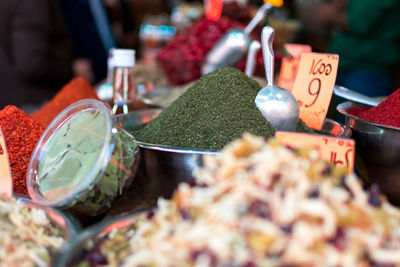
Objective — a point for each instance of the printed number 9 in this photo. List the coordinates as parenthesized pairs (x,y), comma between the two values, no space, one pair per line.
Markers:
(314,93)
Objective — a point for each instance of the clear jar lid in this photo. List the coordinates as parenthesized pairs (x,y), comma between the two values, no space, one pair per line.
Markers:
(72,153)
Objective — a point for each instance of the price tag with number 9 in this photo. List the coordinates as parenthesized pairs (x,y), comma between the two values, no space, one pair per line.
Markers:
(313,86)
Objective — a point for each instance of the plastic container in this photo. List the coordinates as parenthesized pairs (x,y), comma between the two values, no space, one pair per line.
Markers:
(83,161)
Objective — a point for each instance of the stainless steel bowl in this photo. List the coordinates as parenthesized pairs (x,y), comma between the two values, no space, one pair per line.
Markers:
(333,128)
(377,157)
(162,168)
(74,251)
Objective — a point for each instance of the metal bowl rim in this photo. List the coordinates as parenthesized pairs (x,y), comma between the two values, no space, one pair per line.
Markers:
(175,149)
(92,231)
(72,225)
(346,132)
(345,106)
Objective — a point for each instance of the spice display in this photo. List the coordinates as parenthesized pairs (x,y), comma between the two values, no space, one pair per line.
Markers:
(216,110)
(73,91)
(84,163)
(182,58)
(27,236)
(21,133)
(386,113)
(262,204)
(164,97)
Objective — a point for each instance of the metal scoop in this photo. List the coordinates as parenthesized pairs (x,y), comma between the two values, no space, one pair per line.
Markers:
(251,58)
(233,46)
(355,96)
(276,104)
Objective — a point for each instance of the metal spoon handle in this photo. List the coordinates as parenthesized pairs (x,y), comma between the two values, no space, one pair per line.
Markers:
(251,57)
(257,18)
(354,96)
(267,39)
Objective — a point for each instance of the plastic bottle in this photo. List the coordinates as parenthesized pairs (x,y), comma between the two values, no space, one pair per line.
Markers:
(124,89)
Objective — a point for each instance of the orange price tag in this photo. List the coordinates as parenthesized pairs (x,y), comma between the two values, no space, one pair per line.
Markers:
(313,86)
(276,3)
(213,9)
(288,73)
(290,64)
(5,173)
(339,151)
(295,50)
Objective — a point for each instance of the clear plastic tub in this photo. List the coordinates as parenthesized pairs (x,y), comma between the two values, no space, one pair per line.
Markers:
(83,161)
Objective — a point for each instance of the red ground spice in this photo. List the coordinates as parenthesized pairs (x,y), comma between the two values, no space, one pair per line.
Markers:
(73,91)
(21,133)
(386,113)
(356,111)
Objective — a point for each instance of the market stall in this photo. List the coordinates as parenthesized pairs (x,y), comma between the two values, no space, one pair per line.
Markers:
(190,160)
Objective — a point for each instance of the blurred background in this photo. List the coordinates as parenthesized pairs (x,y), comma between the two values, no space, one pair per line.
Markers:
(45,43)
(147,25)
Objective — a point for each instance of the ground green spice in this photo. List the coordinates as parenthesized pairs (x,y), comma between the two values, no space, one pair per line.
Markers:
(216,110)
(303,128)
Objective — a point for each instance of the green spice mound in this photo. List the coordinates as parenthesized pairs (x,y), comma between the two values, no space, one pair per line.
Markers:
(216,110)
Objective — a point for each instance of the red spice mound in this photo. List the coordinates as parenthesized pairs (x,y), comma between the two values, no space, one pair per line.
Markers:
(356,111)
(386,113)
(182,58)
(73,91)
(21,133)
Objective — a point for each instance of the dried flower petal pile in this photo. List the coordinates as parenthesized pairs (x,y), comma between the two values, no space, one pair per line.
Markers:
(27,236)
(262,204)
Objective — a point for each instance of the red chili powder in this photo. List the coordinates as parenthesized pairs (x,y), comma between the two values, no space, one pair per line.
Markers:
(386,113)
(21,133)
(356,111)
(73,91)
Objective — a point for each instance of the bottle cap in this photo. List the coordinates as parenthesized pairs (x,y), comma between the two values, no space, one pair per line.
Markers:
(123,57)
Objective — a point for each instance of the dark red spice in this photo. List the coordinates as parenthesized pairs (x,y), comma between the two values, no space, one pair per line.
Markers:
(356,111)
(21,133)
(182,58)
(73,91)
(386,113)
